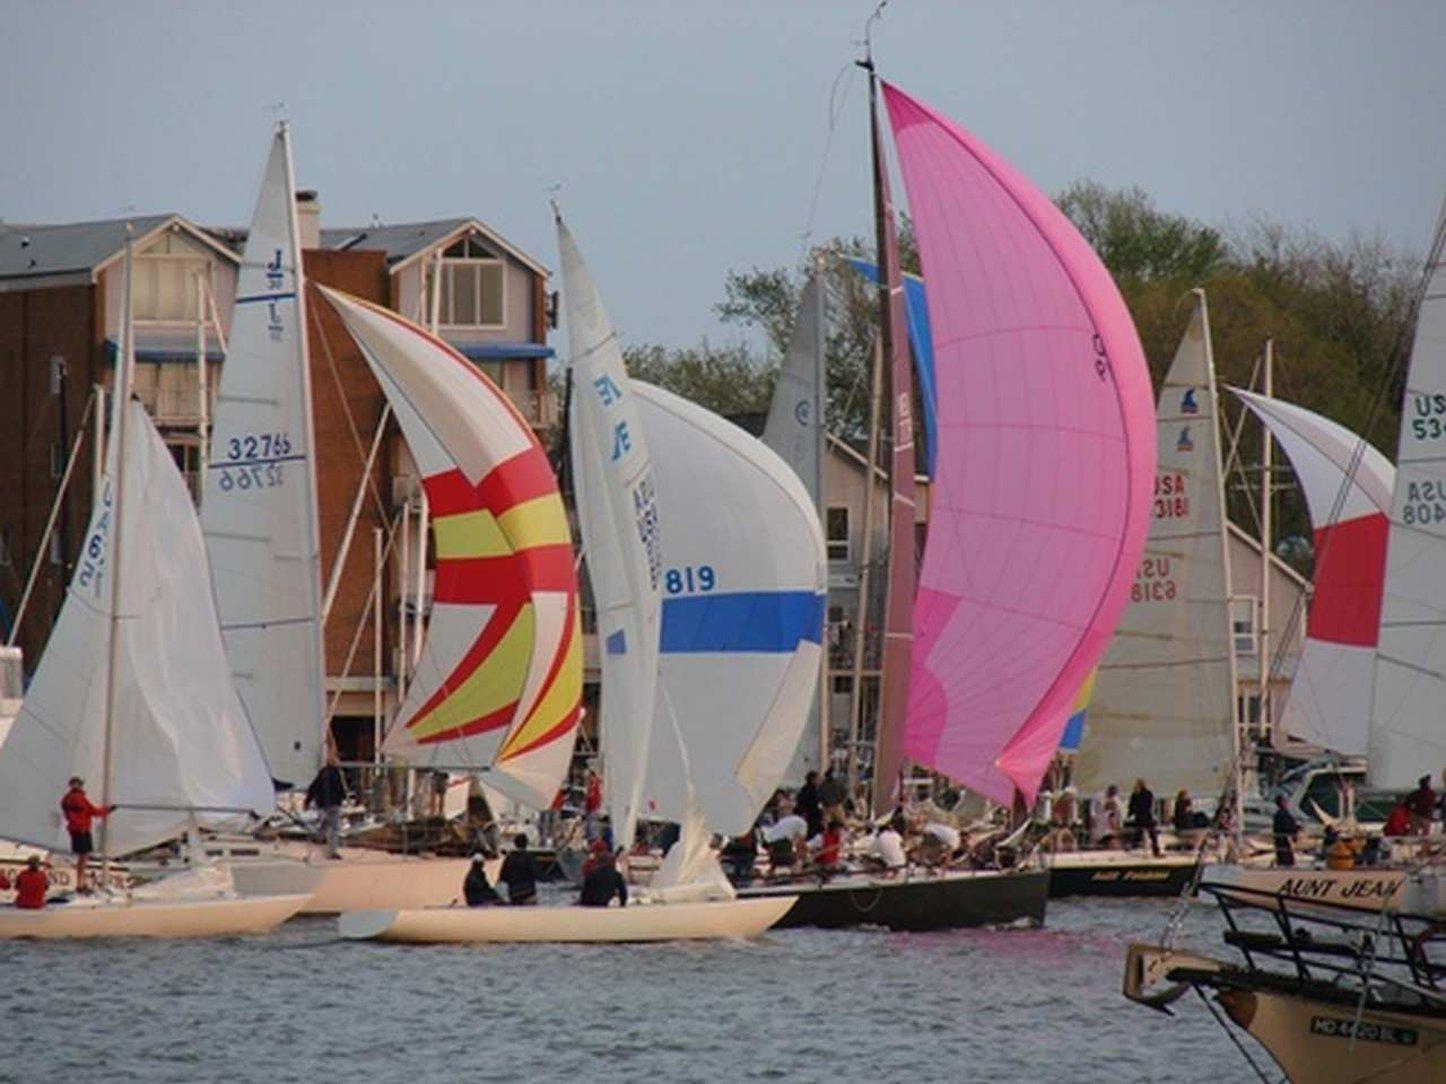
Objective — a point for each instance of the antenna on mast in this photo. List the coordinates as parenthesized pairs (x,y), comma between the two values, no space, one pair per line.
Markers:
(867,62)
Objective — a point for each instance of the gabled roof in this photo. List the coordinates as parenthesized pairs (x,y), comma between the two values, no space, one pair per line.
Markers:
(409,240)
(43,251)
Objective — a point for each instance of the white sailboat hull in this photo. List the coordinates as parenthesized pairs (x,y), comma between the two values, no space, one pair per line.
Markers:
(358,881)
(225,917)
(1368,889)
(711,920)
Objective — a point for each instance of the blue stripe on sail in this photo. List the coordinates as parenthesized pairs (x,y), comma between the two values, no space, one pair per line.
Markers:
(254,462)
(753,621)
(1073,732)
(617,643)
(249,299)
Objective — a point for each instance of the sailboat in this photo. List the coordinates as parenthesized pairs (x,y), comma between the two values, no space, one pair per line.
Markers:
(259,517)
(619,513)
(1163,707)
(134,692)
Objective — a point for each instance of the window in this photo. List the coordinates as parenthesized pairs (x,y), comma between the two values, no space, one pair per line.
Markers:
(843,684)
(187,454)
(163,282)
(837,532)
(1242,625)
(473,286)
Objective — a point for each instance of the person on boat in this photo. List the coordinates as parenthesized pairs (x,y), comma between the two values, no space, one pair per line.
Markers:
(602,884)
(739,856)
(808,804)
(785,841)
(327,793)
(1284,828)
(80,812)
(1421,803)
(592,802)
(833,796)
(1399,822)
(519,873)
(1142,816)
(888,847)
(1110,822)
(31,885)
(938,843)
(827,846)
(476,889)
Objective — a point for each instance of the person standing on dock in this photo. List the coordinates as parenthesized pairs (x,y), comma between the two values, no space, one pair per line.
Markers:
(1285,829)
(79,813)
(519,871)
(327,793)
(1142,816)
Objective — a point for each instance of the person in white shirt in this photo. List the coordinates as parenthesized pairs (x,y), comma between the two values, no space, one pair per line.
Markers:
(888,848)
(785,840)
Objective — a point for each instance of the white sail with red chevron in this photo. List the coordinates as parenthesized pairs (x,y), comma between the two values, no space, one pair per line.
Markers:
(499,682)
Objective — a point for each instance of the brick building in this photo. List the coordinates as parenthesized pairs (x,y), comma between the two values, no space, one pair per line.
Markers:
(60,310)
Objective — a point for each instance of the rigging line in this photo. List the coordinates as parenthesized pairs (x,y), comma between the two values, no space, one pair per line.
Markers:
(836,102)
(364,617)
(1240,1046)
(361,450)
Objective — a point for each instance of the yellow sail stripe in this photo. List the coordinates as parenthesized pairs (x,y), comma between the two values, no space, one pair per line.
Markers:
(557,701)
(538,522)
(469,534)
(495,683)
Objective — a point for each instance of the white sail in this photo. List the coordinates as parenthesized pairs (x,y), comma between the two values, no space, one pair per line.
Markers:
(258,511)
(1408,737)
(1330,695)
(181,739)
(1164,701)
(795,430)
(744,580)
(499,680)
(618,516)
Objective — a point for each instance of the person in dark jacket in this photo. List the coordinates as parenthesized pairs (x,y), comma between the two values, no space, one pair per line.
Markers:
(519,873)
(807,804)
(1142,816)
(602,883)
(476,889)
(832,796)
(1285,829)
(327,793)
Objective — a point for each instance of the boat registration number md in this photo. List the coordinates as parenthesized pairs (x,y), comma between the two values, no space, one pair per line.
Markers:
(1364,1031)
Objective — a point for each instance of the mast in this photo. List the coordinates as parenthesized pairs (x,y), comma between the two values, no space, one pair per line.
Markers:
(866,557)
(120,403)
(1267,715)
(899,604)
(820,497)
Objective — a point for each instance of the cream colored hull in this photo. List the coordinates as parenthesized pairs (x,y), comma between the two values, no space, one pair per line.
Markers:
(1313,1040)
(1365,889)
(359,881)
(639,922)
(150,918)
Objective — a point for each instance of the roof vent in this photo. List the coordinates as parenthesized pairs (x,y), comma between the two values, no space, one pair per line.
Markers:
(308,217)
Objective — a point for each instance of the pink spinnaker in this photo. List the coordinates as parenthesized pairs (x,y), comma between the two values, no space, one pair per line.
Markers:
(1046,459)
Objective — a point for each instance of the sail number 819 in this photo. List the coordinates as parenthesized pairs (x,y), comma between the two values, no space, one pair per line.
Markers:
(687,580)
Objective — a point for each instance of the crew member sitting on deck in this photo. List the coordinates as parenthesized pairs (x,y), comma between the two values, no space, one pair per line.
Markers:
(889,847)
(519,871)
(938,844)
(477,890)
(31,884)
(79,812)
(739,856)
(827,846)
(784,839)
(602,883)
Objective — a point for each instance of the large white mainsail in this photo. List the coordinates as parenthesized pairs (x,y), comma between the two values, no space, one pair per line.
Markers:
(258,511)
(618,516)
(173,745)
(1408,738)
(1347,486)
(744,581)
(795,431)
(1164,701)
(499,681)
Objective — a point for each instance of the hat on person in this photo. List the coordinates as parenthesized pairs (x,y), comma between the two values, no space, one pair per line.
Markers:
(478,856)
(76,781)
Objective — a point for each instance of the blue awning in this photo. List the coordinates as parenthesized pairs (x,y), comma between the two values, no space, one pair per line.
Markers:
(171,355)
(917,307)
(502,351)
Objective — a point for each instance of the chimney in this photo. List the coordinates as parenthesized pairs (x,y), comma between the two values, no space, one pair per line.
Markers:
(308,218)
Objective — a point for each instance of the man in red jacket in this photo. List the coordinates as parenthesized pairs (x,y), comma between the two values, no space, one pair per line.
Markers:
(79,812)
(31,884)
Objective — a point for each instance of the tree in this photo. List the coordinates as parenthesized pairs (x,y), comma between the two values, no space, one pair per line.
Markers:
(726,380)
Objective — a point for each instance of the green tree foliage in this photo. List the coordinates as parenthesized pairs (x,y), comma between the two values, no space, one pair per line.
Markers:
(727,380)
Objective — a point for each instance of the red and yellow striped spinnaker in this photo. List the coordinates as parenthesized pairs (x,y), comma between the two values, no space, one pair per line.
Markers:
(499,682)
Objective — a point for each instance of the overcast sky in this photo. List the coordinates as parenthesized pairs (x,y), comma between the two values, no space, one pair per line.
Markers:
(689,137)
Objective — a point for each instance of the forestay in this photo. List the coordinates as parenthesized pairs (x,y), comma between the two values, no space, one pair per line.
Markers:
(744,581)
(1041,491)
(1407,739)
(618,515)
(1164,702)
(258,509)
(1347,486)
(499,682)
(181,737)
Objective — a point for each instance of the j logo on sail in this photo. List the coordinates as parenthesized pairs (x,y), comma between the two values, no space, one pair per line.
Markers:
(1188,405)
(1185,444)
(275,275)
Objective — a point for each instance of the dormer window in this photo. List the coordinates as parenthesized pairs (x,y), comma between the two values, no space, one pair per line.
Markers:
(473,286)
(164,285)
